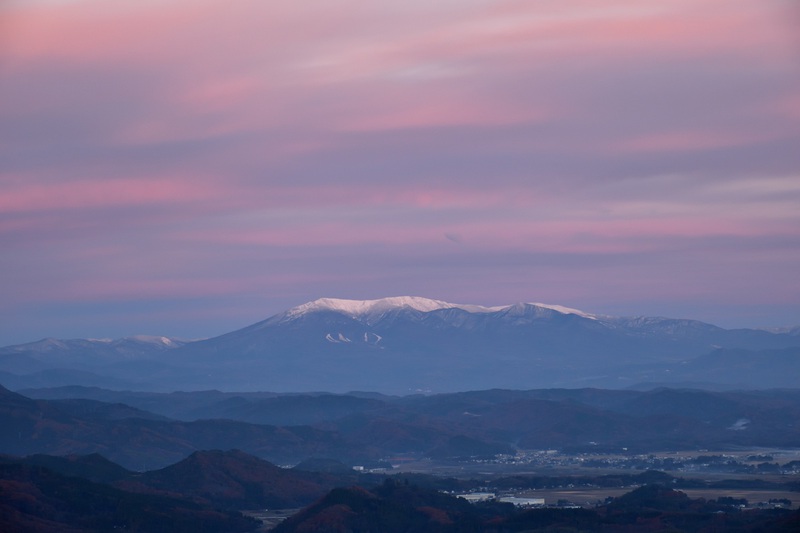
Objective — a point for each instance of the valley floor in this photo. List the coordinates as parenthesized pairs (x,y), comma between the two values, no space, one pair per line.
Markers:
(733,474)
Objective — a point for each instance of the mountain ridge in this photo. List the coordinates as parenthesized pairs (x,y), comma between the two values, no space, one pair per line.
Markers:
(366,308)
(404,344)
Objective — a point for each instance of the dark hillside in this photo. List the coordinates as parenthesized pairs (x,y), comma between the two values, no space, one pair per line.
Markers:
(36,499)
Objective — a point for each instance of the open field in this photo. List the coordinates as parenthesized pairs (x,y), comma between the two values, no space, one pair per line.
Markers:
(554,463)
(590,497)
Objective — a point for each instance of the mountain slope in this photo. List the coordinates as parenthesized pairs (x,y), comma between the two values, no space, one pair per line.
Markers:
(401,345)
(236,480)
(36,499)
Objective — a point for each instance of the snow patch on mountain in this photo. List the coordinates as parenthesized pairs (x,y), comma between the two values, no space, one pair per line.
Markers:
(362,308)
(565,310)
(739,425)
(152,339)
(338,339)
(357,308)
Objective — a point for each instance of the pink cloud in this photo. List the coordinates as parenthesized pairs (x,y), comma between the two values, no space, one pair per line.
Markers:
(442,108)
(219,70)
(28,195)
(785,106)
(19,196)
(111,285)
(749,28)
(92,31)
(202,37)
(489,230)
(690,141)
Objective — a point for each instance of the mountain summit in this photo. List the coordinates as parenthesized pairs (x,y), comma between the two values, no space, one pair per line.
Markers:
(369,308)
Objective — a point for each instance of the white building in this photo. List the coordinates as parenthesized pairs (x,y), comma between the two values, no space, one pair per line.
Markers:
(523,502)
(478,496)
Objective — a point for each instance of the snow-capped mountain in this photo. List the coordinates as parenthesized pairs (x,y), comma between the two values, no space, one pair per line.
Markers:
(94,350)
(408,343)
(85,361)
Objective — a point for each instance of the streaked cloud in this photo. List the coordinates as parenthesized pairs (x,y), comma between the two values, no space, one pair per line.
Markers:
(608,156)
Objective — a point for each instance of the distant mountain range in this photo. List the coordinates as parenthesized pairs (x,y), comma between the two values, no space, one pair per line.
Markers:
(142,431)
(408,344)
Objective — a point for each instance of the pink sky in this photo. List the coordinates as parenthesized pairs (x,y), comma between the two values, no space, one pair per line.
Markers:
(187,168)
